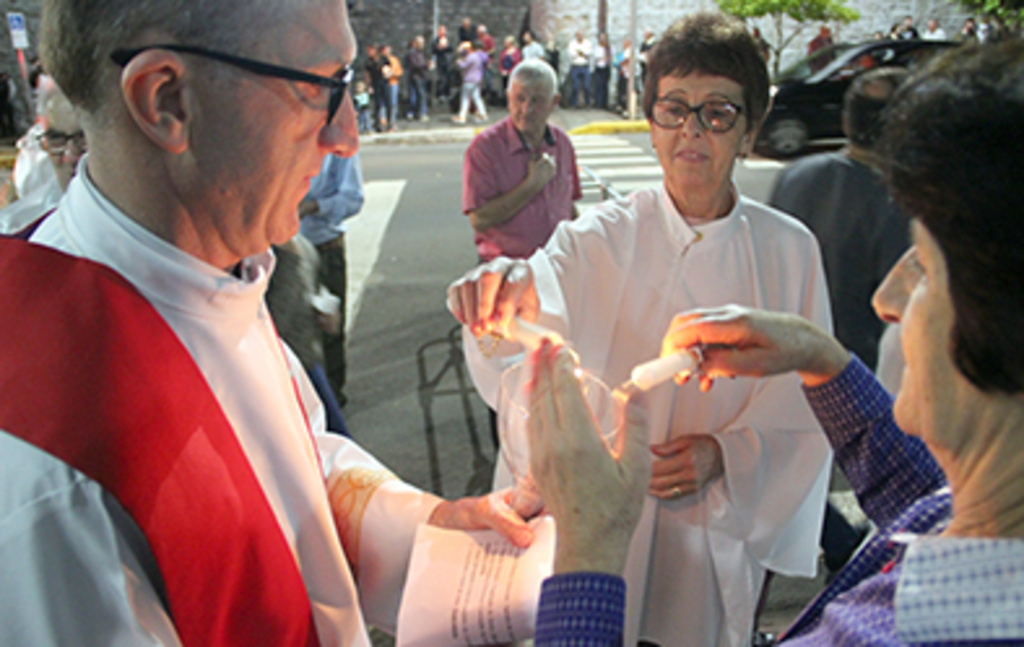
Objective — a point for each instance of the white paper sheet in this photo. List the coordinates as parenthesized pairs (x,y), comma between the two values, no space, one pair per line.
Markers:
(473,588)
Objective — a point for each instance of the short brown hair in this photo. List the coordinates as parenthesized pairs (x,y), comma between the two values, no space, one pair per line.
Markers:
(713,44)
(77,36)
(965,105)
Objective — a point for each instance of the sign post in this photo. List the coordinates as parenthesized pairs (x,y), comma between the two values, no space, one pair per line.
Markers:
(19,33)
(19,38)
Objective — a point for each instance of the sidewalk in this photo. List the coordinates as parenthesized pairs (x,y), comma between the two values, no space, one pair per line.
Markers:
(441,129)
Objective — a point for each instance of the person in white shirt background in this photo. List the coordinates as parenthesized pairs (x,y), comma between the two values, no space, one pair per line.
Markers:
(580,51)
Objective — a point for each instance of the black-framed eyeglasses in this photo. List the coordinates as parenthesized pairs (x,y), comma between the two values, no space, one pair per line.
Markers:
(56,142)
(337,84)
(717,116)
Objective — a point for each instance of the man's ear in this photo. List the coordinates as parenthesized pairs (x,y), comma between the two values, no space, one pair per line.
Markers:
(155,94)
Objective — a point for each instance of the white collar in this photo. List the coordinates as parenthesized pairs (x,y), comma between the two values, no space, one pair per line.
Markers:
(96,229)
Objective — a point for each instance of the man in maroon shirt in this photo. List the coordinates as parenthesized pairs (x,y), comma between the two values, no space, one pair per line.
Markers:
(520,179)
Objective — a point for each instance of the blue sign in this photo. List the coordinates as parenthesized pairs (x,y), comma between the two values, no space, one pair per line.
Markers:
(19,34)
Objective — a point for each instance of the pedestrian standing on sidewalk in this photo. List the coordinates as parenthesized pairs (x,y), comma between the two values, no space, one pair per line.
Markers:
(361,102)
(623,61)
(392,70)
(553,56)
(441,49)
(580,51)
(378,88)
(507,61)
(467,31)
(602,71)
(416,66)
(531,48)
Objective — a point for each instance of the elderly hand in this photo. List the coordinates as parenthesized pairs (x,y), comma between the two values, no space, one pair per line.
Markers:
(756,343)
(685,465)
(595,498)
(490,512)
(488,296)
(541,170)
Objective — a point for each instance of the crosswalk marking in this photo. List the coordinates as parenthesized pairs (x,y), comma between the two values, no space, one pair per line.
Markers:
(617,162)
(612,161)
(608,150)
(631,171)
(364,237)
(598,140)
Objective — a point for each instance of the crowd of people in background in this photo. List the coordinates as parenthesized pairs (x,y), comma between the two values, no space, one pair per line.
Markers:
(471,70)
(595,73)
(990,30)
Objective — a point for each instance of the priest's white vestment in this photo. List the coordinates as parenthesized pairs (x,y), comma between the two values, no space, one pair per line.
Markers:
(611,282)
(324,491)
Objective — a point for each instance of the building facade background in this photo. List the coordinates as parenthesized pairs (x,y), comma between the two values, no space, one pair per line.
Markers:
(396,22)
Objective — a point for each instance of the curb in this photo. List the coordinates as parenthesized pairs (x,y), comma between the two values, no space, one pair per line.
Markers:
(435,136)
(612,128)
(465,134)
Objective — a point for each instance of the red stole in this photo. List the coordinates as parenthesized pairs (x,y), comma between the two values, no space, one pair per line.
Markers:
(92,374)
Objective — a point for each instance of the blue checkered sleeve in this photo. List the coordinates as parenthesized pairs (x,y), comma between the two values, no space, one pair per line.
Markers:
(887,468)
(581,610)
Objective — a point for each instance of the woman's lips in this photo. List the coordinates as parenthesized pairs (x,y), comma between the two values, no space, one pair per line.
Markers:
(692,156)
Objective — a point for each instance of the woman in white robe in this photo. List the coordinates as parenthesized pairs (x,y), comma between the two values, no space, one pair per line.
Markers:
(740,473)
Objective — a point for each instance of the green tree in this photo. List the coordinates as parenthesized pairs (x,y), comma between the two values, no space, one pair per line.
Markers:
(1010,13)
(802,12)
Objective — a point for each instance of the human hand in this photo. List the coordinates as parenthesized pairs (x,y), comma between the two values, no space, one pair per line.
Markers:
(541,170)
(742,341)
(329,322)
(308,207)
(595,497)
(489,512)
(685,465)
(487,297)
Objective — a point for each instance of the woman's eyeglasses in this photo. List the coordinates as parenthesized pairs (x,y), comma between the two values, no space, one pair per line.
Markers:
(717,116)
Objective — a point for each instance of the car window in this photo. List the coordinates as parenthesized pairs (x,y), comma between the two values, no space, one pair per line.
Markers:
(864,62)
(814,63)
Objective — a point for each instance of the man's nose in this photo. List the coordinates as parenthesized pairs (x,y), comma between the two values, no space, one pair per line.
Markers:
(341,136)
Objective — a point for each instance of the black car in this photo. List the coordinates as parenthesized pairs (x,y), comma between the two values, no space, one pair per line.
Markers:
(808,97)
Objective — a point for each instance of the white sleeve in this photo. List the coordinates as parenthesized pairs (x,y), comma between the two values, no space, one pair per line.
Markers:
(777,466)
(70,560)
(777,460)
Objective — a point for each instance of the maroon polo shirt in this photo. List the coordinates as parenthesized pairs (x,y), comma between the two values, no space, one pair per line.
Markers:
(496,162)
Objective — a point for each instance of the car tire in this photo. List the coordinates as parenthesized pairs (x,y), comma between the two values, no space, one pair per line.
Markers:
(787,137)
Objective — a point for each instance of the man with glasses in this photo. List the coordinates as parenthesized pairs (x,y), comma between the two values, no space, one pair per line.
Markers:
(165,475)
(60,139)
